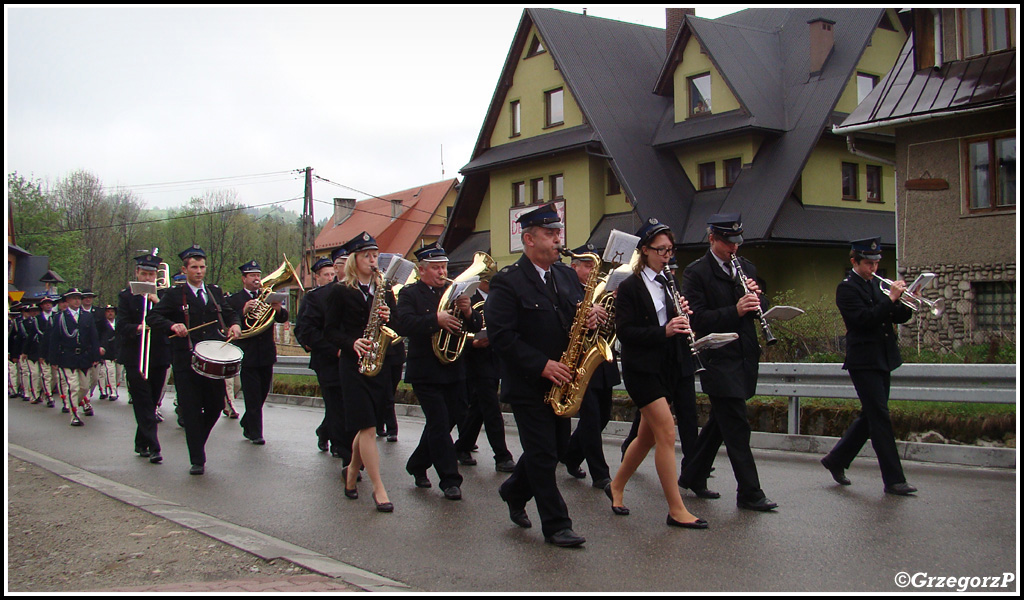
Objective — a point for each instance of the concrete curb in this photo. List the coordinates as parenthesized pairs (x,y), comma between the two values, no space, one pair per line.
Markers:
(248,540)
(972,456)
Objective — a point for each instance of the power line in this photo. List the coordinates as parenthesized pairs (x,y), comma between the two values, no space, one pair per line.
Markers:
(431,213)
(203,181)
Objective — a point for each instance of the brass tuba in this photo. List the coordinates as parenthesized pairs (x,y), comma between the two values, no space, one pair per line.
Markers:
(262,316)
(584,352)
(448,346)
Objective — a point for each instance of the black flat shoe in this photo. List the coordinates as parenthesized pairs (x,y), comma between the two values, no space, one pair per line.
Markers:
(576,471)
(838,473)
(196,470)
(900,489)
(421,479)
(621,511)
(384,507)
(565,538)
(698,524)
(761,504)
(155,458)
(706,494)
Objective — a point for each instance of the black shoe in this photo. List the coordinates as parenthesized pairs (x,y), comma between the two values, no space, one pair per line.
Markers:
(143,452)
(698,524)
(50,404)
(601,483)
(159,417)
(900,489)
(576,471)
(344,474)
(103,396)
(351,494)
(566,538)
(621,511)
(259,441)
(465,458)
(322,444)
(196,470)
(155,458)
(64,409)
(505,466)
(516,513)
(453,493)
(76,422)
(384,507)
(422,481)
(393,438)
(380,433)
(761,504)
(706,494)
(88,411)
(838,473)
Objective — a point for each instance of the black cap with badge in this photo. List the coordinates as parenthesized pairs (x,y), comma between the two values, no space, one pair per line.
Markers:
(869,248)
(728,226)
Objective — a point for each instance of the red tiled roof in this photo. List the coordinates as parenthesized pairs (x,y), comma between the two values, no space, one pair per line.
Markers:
(374,216)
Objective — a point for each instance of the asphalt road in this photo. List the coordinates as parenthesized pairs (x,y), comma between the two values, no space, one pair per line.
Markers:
(823,537)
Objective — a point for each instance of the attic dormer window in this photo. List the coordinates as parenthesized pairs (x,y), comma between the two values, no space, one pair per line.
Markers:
(699,88)
(535,48)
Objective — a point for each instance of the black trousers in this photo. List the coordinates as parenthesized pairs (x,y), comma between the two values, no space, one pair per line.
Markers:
(874,423)
(483,410)
(684,404)
(586,443)
(200,402)
(387,422)
(728,423)
(333,426)
(443,405)
(544,437)
(145,394)
(256,382)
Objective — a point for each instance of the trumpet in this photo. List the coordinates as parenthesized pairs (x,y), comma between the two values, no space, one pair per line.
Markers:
(914,301)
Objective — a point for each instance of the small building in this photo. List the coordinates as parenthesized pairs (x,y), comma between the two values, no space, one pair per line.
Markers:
(950,103)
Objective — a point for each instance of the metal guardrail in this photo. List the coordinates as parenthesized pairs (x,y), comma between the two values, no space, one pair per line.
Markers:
(989,384)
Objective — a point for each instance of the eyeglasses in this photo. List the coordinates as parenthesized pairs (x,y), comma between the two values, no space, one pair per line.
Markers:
(667,251)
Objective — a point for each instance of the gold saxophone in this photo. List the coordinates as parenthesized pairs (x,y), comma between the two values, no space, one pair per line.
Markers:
(262,315)
(380,335)
(448,346)
(584,352)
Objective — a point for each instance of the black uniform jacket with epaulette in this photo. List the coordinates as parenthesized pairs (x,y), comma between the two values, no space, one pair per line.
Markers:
(44,326)
(730,371)
(348,312)
(33,338)
(108,341)
(528,327)
(258,350)
(310,330)
(15,338)
(644,344)
(74,345)
(171,309)
(416,318)
(129,317)
(481,363)
(870,317)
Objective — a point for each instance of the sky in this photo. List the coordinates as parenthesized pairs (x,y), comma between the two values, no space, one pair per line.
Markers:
(174,101)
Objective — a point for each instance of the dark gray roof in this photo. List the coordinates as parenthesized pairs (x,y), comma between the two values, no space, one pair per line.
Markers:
(532,147)
(18,250)
(476,242)
(30,269)
(799,223)
(628,222)
(984,82)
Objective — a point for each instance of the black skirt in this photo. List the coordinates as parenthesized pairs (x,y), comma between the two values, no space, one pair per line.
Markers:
(361,395)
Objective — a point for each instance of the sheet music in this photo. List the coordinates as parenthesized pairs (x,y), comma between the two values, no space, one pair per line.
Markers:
(615,278)
(920,283)
(281,297)
(142,287)
(620,247)
(465,288)
(398,269)
(783,313)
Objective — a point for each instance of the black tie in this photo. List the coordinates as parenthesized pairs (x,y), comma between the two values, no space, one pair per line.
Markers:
(669,301)
(201,296)
(549,280)
(365,289)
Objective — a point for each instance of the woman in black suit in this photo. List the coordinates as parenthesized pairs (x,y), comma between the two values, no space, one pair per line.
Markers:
(347,315)
(655,356)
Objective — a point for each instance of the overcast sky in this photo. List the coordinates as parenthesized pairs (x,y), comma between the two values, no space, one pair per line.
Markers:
(367,96)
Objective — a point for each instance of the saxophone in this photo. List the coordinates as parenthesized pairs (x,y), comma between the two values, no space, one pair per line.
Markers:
(380,335)
(584,352)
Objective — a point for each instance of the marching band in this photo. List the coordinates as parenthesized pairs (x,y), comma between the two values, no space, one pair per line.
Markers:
(519,326)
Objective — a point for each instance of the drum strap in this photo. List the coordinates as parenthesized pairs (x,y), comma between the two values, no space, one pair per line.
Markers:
(184,310)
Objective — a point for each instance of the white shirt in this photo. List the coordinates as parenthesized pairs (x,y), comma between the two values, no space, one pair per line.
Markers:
(657,292)
(195,290)
(724,265)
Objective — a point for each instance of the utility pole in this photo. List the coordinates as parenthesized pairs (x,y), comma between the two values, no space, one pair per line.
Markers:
(308,233)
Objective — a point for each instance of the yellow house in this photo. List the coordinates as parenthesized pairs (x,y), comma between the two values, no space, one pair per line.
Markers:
(619,123)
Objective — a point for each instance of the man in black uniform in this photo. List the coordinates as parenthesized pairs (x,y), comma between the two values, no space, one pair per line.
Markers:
(75,349)
(529,313)
(872,353)
(482,376)
(45,323)
(730,379)
(259,352)
(144,392)
(440,388)
(193,305)
(323,358)
(109,349)
(596,409)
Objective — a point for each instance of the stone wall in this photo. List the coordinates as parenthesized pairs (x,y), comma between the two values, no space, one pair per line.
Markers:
(957,325)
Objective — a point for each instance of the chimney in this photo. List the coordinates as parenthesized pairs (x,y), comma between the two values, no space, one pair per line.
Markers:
(822,42)
(673,21)
(343,208)
(396,209)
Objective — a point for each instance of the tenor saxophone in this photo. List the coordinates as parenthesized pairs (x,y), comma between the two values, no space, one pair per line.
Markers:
(584,353)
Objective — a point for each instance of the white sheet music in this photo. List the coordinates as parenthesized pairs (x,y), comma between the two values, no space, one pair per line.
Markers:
(620,247)
(615,278)
(142,287)
(465,288)
(398,269)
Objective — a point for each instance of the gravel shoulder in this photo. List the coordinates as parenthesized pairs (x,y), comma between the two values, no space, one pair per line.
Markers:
(64,537)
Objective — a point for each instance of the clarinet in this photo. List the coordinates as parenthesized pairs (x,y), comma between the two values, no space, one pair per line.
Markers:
(677,300)
(769,339)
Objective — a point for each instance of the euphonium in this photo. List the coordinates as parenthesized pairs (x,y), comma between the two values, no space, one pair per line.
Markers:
(262,315)
(448,346)
(581,357)
(381,336)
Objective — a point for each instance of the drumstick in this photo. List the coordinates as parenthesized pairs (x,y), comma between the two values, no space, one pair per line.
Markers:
(193,329)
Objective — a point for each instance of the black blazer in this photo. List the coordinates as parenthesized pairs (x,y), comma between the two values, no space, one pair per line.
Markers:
(107,340)
(33,338)
(310,329)
(259,350)
(74,345)
(169,311)
(870,317)
(416,319)
(528,327)
(731,370)
(347,313)
(645,349)
(481,363)
(129,317)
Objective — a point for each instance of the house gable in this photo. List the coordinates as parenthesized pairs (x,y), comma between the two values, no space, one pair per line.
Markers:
(878,59)
(694,64)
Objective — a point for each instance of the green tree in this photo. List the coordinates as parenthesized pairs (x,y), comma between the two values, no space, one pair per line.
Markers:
(38,229)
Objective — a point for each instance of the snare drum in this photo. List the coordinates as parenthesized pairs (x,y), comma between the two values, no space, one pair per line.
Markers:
(216,360)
